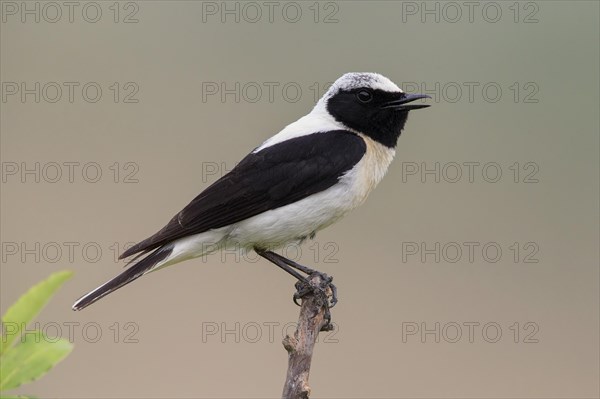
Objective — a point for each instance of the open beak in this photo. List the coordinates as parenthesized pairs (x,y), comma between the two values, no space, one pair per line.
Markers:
(402,103)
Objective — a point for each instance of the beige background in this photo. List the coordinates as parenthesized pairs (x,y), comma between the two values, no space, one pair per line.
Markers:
(171,134)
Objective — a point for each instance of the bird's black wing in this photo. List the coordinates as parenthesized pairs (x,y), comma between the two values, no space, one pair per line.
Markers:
(278,175)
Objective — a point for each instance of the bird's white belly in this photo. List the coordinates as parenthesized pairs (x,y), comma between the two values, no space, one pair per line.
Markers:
(293,222)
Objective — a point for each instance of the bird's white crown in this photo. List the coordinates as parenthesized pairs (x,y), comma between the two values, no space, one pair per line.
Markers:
(354,80)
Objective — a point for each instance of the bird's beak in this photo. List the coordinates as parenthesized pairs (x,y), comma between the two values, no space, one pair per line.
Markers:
(401,103)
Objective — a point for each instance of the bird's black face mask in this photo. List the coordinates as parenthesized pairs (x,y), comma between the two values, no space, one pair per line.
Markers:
(379,114)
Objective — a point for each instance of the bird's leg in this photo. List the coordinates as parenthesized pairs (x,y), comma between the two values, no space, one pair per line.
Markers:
(303,285)
(297,266)
(268,255)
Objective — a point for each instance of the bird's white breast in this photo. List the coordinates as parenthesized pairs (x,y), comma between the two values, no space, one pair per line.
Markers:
(370,170)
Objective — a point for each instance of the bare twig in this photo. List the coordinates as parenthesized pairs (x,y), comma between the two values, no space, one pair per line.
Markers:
(300,346)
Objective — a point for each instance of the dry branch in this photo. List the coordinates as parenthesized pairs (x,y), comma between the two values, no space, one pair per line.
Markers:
(300,346)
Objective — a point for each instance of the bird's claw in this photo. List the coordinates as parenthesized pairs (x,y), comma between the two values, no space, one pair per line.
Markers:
(304,287)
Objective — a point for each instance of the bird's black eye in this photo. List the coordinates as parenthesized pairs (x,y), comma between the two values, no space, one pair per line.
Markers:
(364,96)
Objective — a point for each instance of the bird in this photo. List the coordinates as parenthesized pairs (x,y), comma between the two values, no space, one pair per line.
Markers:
(296,183)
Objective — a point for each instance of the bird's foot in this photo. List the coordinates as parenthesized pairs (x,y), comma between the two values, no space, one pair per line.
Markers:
(306,286)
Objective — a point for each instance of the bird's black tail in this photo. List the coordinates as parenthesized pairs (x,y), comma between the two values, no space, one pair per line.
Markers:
(137,270)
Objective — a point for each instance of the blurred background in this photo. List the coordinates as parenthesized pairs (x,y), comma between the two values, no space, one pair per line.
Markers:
(472,271)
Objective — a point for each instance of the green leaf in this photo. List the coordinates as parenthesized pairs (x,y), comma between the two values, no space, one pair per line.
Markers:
(31,359)
(28,306)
